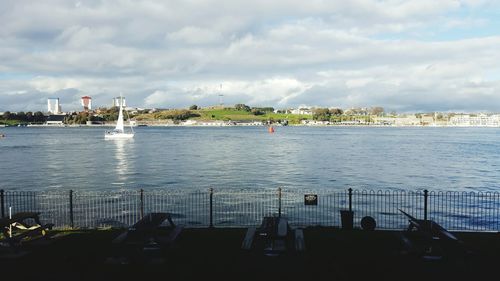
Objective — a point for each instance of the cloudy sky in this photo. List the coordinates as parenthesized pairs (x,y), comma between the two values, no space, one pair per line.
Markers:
(422,55)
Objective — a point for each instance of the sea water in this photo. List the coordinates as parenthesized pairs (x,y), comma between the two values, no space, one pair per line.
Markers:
(336,158)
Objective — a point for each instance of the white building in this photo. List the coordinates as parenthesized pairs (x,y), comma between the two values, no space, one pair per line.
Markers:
(57,120)
(118,100)
(302,111)
(314,122)
(481,120)
(53,106)
(409,120)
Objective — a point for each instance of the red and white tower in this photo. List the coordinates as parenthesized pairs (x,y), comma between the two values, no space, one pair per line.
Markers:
(87,103)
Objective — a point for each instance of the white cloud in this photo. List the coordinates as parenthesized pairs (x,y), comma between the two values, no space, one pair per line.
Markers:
(51,84)
(195,35)
(279,53)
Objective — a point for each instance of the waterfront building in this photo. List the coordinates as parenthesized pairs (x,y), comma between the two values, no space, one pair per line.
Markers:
(377,120)
(314,122)
(485,120)
(409,120)
(480,120)
(53,106)
(55,120)
(302,111)
(460,120)
(427,120)
(119,100)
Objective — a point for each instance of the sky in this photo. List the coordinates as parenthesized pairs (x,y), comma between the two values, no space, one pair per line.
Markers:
(406,56)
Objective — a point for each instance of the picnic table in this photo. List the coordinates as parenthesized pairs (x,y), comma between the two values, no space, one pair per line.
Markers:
(274,236)
(429,239)
(23,225)
(146,232)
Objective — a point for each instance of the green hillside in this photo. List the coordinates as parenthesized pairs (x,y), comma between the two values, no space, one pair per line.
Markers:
(225,114)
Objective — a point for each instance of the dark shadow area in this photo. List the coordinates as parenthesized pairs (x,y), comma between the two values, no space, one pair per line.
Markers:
(216,254)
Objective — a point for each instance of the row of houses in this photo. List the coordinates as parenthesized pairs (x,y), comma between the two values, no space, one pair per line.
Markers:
(482,120)
(459,120)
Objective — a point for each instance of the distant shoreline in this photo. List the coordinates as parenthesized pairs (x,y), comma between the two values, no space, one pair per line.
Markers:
(110,125)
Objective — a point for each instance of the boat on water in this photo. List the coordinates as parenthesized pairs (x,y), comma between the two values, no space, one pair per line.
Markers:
(119,131)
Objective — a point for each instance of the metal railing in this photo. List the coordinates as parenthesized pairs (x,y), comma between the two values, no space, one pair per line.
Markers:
(462,211)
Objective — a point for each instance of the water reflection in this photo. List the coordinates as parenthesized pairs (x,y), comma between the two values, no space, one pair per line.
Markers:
(123,167)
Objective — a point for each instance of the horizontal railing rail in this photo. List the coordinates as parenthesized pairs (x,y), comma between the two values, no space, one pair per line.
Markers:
(456,211)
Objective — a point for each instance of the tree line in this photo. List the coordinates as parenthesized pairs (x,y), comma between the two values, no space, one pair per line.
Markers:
(334,114)
(30,117)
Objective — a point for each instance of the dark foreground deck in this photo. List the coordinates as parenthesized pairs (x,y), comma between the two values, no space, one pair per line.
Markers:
(215,254)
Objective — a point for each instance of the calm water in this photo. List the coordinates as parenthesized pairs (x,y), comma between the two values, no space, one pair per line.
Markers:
(234,157)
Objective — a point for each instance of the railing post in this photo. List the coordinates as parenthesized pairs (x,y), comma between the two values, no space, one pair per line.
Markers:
(71,221)
(142,203)
(2,202)
(426,198)
(279,202)
(211,207)
(350,199)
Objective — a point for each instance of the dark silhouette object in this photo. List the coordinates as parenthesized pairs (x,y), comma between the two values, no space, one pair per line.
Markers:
(368,223)
(147,228)
(347,219)
(429,240)
(274,236)
(146,237)
(22,227)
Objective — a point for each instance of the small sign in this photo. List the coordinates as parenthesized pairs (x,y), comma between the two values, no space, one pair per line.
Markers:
(311,199)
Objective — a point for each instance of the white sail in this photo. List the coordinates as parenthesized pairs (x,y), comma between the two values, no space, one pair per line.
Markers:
(119,131)
(119,123)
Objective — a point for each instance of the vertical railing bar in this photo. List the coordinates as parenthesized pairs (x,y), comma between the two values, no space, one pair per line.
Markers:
(279,202)
(2,202)
(142,203)
(350,199)
(426,196)
(71,219)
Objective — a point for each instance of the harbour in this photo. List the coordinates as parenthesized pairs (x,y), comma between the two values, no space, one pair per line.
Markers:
(331,158)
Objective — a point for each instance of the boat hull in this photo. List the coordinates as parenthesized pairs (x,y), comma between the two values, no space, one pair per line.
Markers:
(118,136)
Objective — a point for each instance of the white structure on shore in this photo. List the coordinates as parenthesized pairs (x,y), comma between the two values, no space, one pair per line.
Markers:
(55,120)
(408,120)
(53,106)
(480,120)
(302,111)
(119,101)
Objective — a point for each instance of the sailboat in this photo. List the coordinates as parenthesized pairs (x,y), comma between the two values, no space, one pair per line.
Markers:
(119,132)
